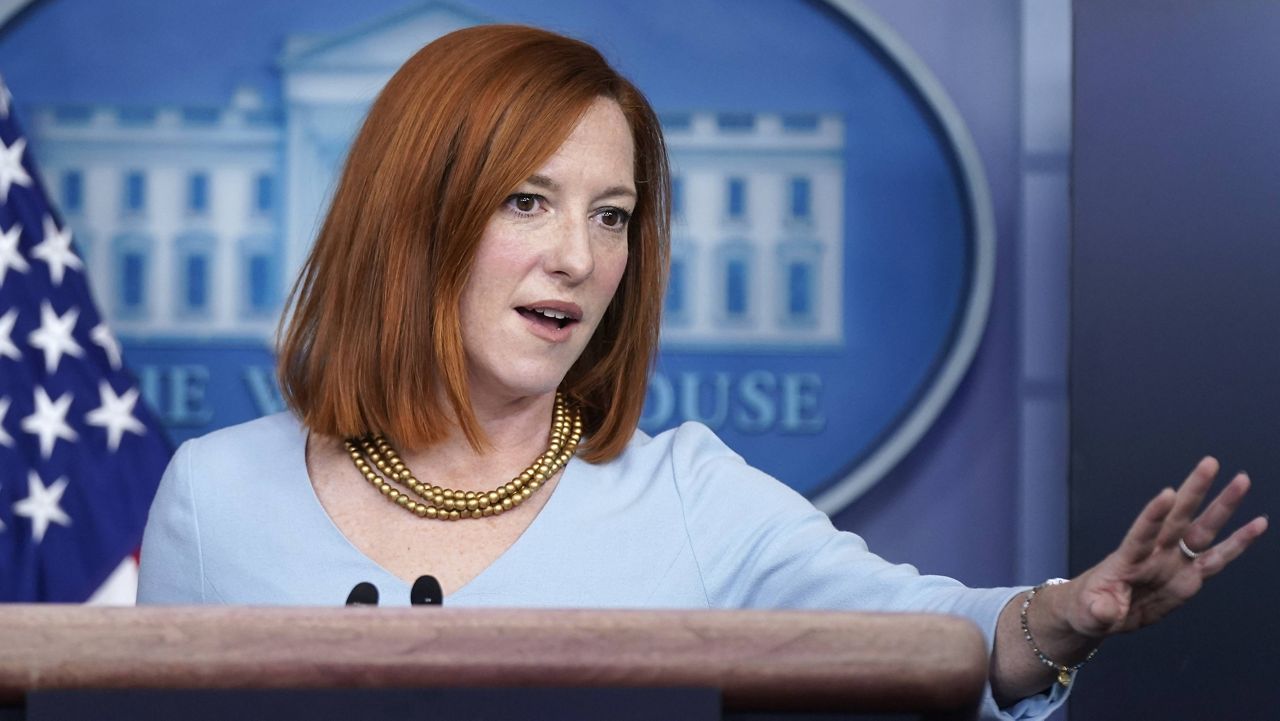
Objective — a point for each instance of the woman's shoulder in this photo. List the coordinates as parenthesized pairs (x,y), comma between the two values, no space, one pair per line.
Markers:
(235,472)
(274,428)
(261,442)
(689,440)
(702,465)
(673,451)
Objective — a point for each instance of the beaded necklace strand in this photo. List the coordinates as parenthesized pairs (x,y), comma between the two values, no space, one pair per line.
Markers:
(379,463)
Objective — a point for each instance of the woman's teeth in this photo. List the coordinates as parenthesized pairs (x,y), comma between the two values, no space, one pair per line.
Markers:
(558,318)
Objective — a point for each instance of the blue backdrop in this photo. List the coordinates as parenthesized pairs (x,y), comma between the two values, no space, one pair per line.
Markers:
(1175,343)
(904,236)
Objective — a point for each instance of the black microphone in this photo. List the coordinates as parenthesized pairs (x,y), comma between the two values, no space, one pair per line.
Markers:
(364,594)
(426,592)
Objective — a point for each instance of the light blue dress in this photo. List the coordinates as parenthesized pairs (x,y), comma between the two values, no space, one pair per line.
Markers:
(677,521)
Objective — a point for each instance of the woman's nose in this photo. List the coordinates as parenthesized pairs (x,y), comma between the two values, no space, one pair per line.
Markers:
(570,254)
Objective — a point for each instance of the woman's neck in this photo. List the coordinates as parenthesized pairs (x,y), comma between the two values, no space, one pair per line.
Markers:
(516,432)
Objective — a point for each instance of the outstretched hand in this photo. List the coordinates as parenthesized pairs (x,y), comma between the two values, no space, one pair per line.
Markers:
(1149,575)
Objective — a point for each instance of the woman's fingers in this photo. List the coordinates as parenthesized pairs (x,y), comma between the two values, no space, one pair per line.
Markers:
(1190,495)
(1140,541)
(1105,612)
(1208,524)
(1148,565)
(1215,559)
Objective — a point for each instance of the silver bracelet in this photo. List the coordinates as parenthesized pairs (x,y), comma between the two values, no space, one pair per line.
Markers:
(1065,673)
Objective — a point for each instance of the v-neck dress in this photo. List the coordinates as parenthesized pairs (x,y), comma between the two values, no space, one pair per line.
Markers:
(678,520)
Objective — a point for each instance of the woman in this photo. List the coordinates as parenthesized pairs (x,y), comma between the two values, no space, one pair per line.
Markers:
(470,343)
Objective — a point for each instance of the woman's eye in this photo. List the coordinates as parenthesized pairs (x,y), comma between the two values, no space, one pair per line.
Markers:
(524,202)
(614,218)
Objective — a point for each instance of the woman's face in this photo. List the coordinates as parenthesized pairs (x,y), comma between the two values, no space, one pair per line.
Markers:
(549,262)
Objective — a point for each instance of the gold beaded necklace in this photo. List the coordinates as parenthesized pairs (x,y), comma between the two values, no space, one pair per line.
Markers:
(445,504)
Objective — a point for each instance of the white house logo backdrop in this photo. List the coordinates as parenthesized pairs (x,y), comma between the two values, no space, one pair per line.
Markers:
(831,257)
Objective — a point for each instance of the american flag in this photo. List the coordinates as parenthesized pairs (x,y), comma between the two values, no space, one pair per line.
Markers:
(80,455)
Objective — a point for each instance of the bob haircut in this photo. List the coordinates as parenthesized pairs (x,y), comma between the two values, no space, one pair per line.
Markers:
(373,341)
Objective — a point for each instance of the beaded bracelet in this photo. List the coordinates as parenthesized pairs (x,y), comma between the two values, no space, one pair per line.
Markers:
(1064,672)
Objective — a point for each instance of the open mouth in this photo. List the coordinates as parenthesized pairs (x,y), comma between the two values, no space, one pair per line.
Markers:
(548,317)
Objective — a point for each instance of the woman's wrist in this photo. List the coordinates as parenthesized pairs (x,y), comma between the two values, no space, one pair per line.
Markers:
(1045,616)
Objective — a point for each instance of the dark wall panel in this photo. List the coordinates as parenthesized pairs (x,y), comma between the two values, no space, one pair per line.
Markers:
(1176,327)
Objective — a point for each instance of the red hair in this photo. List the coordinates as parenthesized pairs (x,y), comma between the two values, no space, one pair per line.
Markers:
(373,342)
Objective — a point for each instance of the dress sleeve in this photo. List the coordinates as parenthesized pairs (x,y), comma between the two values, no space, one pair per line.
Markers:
(171,565)
(759,544)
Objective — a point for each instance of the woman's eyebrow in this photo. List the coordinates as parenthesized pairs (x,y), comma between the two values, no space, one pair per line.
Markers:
(616,190)
(542,181)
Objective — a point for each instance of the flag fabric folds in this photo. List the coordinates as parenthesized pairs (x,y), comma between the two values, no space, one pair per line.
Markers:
(80,454)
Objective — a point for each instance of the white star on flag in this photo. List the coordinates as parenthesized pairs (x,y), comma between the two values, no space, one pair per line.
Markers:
(101,336)
(41,505)
(7,348)
(10,257)
(54,336)
(115,414)
(5,438)
(50,421)
(56,250)
(11,170)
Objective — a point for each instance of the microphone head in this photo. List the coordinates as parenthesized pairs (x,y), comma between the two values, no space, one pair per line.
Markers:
(426,592)
(364,594)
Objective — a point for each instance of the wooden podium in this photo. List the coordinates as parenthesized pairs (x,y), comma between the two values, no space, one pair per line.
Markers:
(744,662)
